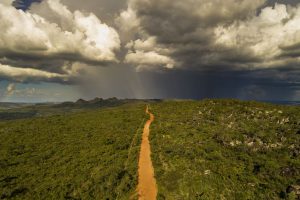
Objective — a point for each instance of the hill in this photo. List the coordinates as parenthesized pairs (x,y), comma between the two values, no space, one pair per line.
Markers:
(85,155)
(210,149)
(226,149)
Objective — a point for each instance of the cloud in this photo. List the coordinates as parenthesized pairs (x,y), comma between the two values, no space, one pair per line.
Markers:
(213,35)
(254,92)
(30,40)
(205,47)
(128,24)
(10,89)
(145,59)
(7,2)
(145,53)
(31,75)
(273,37)
(28,92)
(106,10)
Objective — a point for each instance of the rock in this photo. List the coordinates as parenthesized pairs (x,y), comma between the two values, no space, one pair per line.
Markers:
(235,142)
(267,112)
(293,188)
(276,145)
(207,172)
(232,143)
(81,101)
(250,144)
(288,171)
(251,184)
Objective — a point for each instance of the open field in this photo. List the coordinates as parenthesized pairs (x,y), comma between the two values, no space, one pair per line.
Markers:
(86,155)
(225,149)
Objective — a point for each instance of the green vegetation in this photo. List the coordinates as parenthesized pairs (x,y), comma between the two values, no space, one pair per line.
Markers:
(226,149)
(85,155)
(211,149)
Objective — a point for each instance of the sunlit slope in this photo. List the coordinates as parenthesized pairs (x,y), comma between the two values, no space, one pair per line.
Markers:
(74,156)
(225,149)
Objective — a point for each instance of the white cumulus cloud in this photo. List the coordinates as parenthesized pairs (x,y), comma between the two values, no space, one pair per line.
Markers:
(10,89)
(30,40)
(273,37)
(148,54)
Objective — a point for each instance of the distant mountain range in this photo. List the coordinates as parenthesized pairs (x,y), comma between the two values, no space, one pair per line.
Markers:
(98,102)
(11,111)
(110,101)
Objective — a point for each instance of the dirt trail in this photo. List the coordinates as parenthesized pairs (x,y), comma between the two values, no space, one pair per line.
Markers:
(147,189)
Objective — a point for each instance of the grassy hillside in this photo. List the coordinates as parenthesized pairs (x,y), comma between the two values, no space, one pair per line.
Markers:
(212,149)
(226,149)
(86,155)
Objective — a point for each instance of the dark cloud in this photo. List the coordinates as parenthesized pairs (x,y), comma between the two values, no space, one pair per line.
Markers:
(254,85)
(178,22)
(288,2)
(290,51)
(50,63)
(209,35)
(246,49)
(188,29)
(106,10)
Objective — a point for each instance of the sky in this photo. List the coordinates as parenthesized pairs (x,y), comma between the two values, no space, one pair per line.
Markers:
(63,50)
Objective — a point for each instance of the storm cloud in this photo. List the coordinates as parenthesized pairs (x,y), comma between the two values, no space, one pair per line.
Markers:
(208,35)
(247,49)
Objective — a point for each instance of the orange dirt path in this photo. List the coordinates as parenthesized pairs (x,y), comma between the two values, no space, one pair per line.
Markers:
(147,189)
